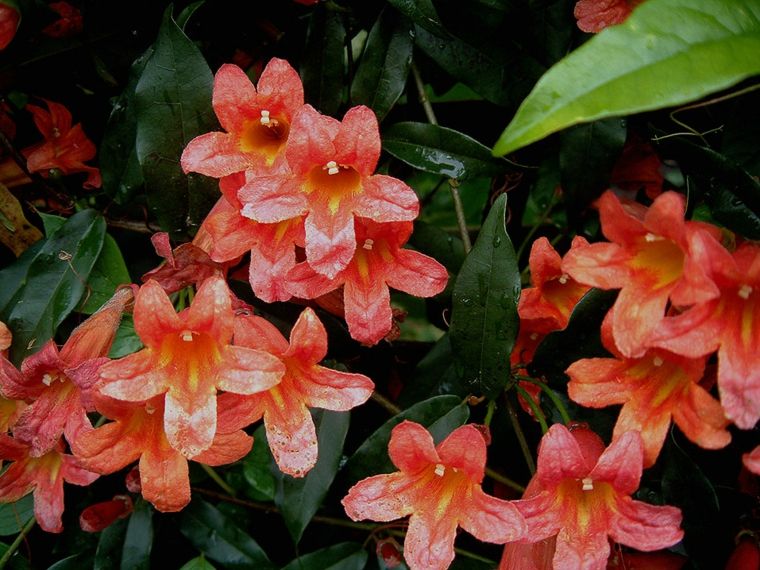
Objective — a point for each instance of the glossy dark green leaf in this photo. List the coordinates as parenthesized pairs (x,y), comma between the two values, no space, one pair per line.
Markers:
(256,469)
(107,274)
(13,516)
(173,105)
(126,341)
(198,563)
(13,277)
(117,156)
(586,157)
(446,248)
(543,194)
(685,486)
(372,455)
(484,321)
(439,150)
(220,539)
(138,540)
(73,562)
(384,66)
(110,544)
(323,70)
(503,81)
(434,375)
(668,52)
(343,556)
(55,282)
(299,498)
(422,13)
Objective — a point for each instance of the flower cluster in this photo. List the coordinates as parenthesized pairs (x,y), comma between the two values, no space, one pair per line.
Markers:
(298,184)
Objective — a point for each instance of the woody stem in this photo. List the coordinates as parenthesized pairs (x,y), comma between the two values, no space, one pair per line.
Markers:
(453,182)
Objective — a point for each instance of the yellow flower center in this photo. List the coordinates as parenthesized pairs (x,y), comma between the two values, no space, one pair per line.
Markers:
(267,135)
(333,182)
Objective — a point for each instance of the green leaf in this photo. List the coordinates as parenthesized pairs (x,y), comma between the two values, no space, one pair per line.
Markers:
(14,516)
(431,240)
(126,341)
(439,150)
(197,563)
(119,165)
(343,556)
(434,375)
(51,222)
(107,274)
(13,277)
(380,78)
(54,282)
(422,13)
(173,105)
(73,562)
(322,70)
(138,540)
(685,486)
(256,469)
(501,81)
(372,456)
(484,321)
(586,157)
(299,498)
(668,52)
(110,546)
(220,539)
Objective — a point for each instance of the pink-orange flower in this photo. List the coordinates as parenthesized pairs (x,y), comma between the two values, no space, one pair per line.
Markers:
(379,262)
(137,433)
(188,356)
(581,493)
(69,22)
(285,407)
(638,168)
(58,383)
(101,515)
(257,121)
(653,389)
(752,460)
(729,323)
(554,294)
(65,147)
(650,259)
(330,181)
(595,15)
(272,246)
(9,20)
(440,487)
(42,475)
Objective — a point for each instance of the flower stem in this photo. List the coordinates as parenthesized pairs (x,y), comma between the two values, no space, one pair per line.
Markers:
(217,479)
(537,411)
(551,395)
(389,406)
(17,542)
(489,412)
(521,437)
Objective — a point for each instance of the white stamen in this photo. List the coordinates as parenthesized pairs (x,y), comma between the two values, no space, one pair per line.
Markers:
(47,379)
(588,484)
(265,117)
(368,243)
(650,237)
(657,361)
(745,291)
(439,470)
(563,279)
(187,336)
(332,167)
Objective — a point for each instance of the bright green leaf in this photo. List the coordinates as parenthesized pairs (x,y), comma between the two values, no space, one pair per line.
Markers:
(484,321)
(439,150)
(380,78)
(299,498)
(220,539)
(173,104)
(138,540)
(322,70)
(343,556)
(54,282)
(13,516)
(372,455)
(667,53)
(198,563)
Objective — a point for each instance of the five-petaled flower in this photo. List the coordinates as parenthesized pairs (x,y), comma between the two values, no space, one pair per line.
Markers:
(378,263)
(440,487)
(330,180)
(257,121)
(188,356)
(42,475)
(65,147)
(285,407)
(581,493)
